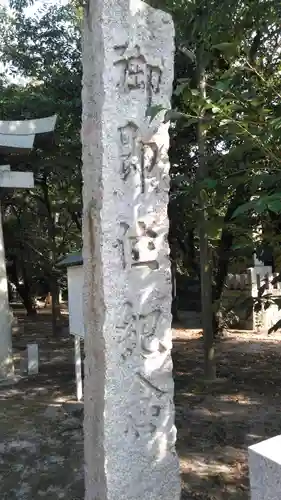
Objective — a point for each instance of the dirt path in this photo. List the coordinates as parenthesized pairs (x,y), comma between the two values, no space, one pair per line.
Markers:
(41,443)
(217,424)
(41,446)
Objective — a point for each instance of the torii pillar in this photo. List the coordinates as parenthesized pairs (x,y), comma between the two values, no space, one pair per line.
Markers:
(8,179)
(16,138)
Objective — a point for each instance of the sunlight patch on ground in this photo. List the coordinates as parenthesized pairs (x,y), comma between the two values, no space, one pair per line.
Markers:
(240,398)
(202,469)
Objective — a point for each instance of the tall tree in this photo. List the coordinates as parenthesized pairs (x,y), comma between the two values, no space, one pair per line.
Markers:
(224,106)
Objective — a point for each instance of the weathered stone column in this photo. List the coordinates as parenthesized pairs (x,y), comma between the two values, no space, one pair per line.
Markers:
(6,355)
(129,412)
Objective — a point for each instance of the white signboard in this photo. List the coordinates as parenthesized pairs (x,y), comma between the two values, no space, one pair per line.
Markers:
(75,279)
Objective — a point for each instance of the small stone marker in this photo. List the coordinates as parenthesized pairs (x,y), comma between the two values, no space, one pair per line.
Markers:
(32,359)
(129,413)
(78,367)
(265,469)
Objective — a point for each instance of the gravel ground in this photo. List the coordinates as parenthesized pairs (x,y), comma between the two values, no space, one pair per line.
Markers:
(41,442)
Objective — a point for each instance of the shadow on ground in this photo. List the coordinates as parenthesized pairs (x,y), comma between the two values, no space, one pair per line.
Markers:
(41,443)
(217,423)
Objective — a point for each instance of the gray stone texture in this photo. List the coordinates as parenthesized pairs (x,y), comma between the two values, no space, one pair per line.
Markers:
(265,469)
(129,414)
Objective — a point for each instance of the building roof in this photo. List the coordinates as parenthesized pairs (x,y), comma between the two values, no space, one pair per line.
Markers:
(73,259)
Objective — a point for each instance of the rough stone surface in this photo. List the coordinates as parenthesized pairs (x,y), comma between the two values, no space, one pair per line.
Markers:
(129,414)
(265,468)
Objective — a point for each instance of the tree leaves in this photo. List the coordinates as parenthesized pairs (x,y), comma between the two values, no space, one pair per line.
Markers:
(227,48)
(153,111)
(260,205)
(170,115)
(240,117)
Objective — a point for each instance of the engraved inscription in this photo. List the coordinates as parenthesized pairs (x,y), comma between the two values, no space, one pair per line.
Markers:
(134,77)
(126,329)
(139,330)
(149,160)
(150,343)
(143,419)
(120,242)
(139,158)
(155,170)
(153,82)
(136,73)
(139,246)
(129,150)
(151,408)
(150,411)
(132,66)
(152,149)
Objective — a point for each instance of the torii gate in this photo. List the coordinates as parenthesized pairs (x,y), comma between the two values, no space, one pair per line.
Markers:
(15,137)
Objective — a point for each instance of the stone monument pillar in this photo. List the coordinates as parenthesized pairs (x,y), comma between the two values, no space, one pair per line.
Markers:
(129,413)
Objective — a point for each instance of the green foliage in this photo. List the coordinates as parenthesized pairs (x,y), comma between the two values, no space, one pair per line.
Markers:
(43,224)
(240,118)
(238,52)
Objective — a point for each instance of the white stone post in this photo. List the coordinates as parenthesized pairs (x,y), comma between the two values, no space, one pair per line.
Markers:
(265,467)
(78,367)
(128,388)
(32,359)
(6,355)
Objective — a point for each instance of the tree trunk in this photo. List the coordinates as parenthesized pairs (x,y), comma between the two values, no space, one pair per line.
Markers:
(205,253)
(26,295)
(56,313)
(174,291)
(190,242)
(224,251)
(221,274)
(24,289)
(27,299)
(52,242)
